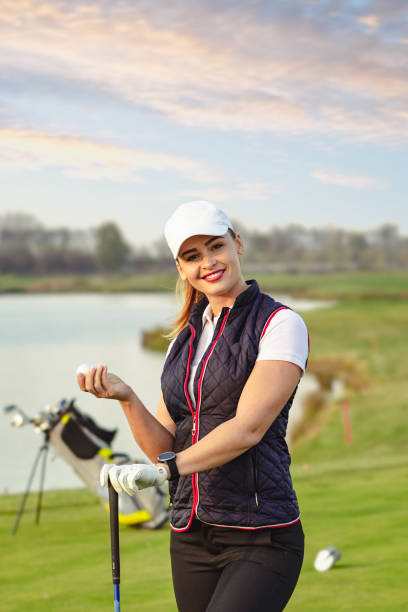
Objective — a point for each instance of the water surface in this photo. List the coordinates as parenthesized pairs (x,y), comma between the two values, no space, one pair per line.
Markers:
(43,338)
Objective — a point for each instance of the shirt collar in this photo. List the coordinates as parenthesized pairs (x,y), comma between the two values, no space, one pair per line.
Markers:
(208,316)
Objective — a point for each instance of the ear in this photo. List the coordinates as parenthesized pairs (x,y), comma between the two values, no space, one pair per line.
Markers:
(180,270)
(240,244)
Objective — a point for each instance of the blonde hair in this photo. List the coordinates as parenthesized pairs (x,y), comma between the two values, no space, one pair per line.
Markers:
(188,296)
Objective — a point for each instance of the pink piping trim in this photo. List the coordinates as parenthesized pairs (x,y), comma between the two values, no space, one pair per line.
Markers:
(205,366)
(197,500)
(244,528)
(188,370)
(195,476)
(270,319)
(255,528)
(192,412)
(197,412)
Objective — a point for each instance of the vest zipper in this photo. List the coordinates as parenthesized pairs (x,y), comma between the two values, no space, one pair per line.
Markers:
(195,414)
(198,406)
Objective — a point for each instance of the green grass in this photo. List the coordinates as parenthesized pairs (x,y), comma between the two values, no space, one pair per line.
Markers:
(10,283)
(64,562)
(350,285)
(340,286)
(351,496)
(374,332)
(356,506)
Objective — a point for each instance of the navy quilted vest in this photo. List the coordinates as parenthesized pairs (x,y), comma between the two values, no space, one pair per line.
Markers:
(255,489)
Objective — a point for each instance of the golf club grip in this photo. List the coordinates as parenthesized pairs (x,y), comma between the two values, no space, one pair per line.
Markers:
(114,531)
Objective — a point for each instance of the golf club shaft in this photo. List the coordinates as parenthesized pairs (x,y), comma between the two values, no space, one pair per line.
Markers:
(114,531)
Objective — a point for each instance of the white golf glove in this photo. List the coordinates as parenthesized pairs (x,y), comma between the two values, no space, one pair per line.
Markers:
(132,478)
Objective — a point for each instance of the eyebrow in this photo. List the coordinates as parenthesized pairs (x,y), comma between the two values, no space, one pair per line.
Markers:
(206,244)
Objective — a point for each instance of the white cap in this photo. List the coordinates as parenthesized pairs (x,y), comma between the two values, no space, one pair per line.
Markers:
(193,219)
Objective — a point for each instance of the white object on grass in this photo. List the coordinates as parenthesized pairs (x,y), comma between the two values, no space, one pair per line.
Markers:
(83,369)
(326,558)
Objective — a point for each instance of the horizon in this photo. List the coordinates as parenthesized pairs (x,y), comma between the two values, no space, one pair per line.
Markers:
(245,228)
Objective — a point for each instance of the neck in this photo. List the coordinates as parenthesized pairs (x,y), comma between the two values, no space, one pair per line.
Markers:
(218,302)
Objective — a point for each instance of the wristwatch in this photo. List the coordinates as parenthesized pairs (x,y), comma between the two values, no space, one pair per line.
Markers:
(170,458)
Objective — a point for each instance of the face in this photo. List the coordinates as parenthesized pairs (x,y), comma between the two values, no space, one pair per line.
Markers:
(211,265)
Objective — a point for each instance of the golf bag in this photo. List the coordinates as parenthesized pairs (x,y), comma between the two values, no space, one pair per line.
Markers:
(87,447)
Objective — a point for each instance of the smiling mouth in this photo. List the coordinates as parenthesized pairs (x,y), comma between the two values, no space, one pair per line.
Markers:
(213,276)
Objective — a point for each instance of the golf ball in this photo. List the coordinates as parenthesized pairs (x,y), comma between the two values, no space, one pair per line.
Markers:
(83,368)
(326,558)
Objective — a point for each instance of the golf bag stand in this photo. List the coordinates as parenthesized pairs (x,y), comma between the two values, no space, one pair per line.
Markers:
(42,452)
(86,447)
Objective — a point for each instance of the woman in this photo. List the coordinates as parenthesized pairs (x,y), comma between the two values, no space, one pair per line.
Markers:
(228,382)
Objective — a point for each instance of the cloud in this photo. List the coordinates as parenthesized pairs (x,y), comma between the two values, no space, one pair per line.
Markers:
(354,181)
(92,160)
(248,67)
(372,21)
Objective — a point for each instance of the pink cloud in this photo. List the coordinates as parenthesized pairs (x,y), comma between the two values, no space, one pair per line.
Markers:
(372,21)
(289,74)
(87,159)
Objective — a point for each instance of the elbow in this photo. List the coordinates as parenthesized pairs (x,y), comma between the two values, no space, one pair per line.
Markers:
(251,437)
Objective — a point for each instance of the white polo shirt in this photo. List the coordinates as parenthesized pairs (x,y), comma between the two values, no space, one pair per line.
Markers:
(285,339)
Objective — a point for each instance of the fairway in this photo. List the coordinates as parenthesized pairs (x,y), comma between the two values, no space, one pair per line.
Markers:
(351,496)
(64,563)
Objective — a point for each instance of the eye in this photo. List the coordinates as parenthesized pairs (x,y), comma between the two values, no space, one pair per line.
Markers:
(192,257)
(217,245)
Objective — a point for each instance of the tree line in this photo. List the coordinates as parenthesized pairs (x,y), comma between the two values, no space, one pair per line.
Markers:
(28,247)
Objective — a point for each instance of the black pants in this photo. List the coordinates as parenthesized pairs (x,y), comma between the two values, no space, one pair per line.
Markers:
(217,569)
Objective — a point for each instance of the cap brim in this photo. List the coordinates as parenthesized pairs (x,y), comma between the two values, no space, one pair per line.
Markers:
(219,229)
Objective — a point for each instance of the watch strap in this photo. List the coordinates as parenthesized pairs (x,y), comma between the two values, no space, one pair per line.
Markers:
(174,473)
(170,459)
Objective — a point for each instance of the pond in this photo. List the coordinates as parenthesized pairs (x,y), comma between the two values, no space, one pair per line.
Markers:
(43,338)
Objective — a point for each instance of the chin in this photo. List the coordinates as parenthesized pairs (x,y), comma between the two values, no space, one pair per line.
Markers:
(218,289)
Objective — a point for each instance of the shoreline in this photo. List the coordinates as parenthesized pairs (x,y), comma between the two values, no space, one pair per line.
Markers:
(336,286)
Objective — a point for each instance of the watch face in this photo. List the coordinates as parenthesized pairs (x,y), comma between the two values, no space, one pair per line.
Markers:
(167,456)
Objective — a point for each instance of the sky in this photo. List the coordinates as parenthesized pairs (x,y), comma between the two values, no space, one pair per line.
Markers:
(278,111)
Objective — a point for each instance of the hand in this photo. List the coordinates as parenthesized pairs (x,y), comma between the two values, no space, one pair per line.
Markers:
(104,384)
(132,478)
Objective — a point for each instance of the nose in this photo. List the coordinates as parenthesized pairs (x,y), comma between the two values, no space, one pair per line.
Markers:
(208,259)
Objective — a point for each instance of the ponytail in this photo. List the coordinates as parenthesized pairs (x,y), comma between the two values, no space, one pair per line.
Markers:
(188,296)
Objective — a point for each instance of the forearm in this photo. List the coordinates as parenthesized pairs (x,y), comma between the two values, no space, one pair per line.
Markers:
(266,392)
(152,437)
(222,444)
(257,409)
